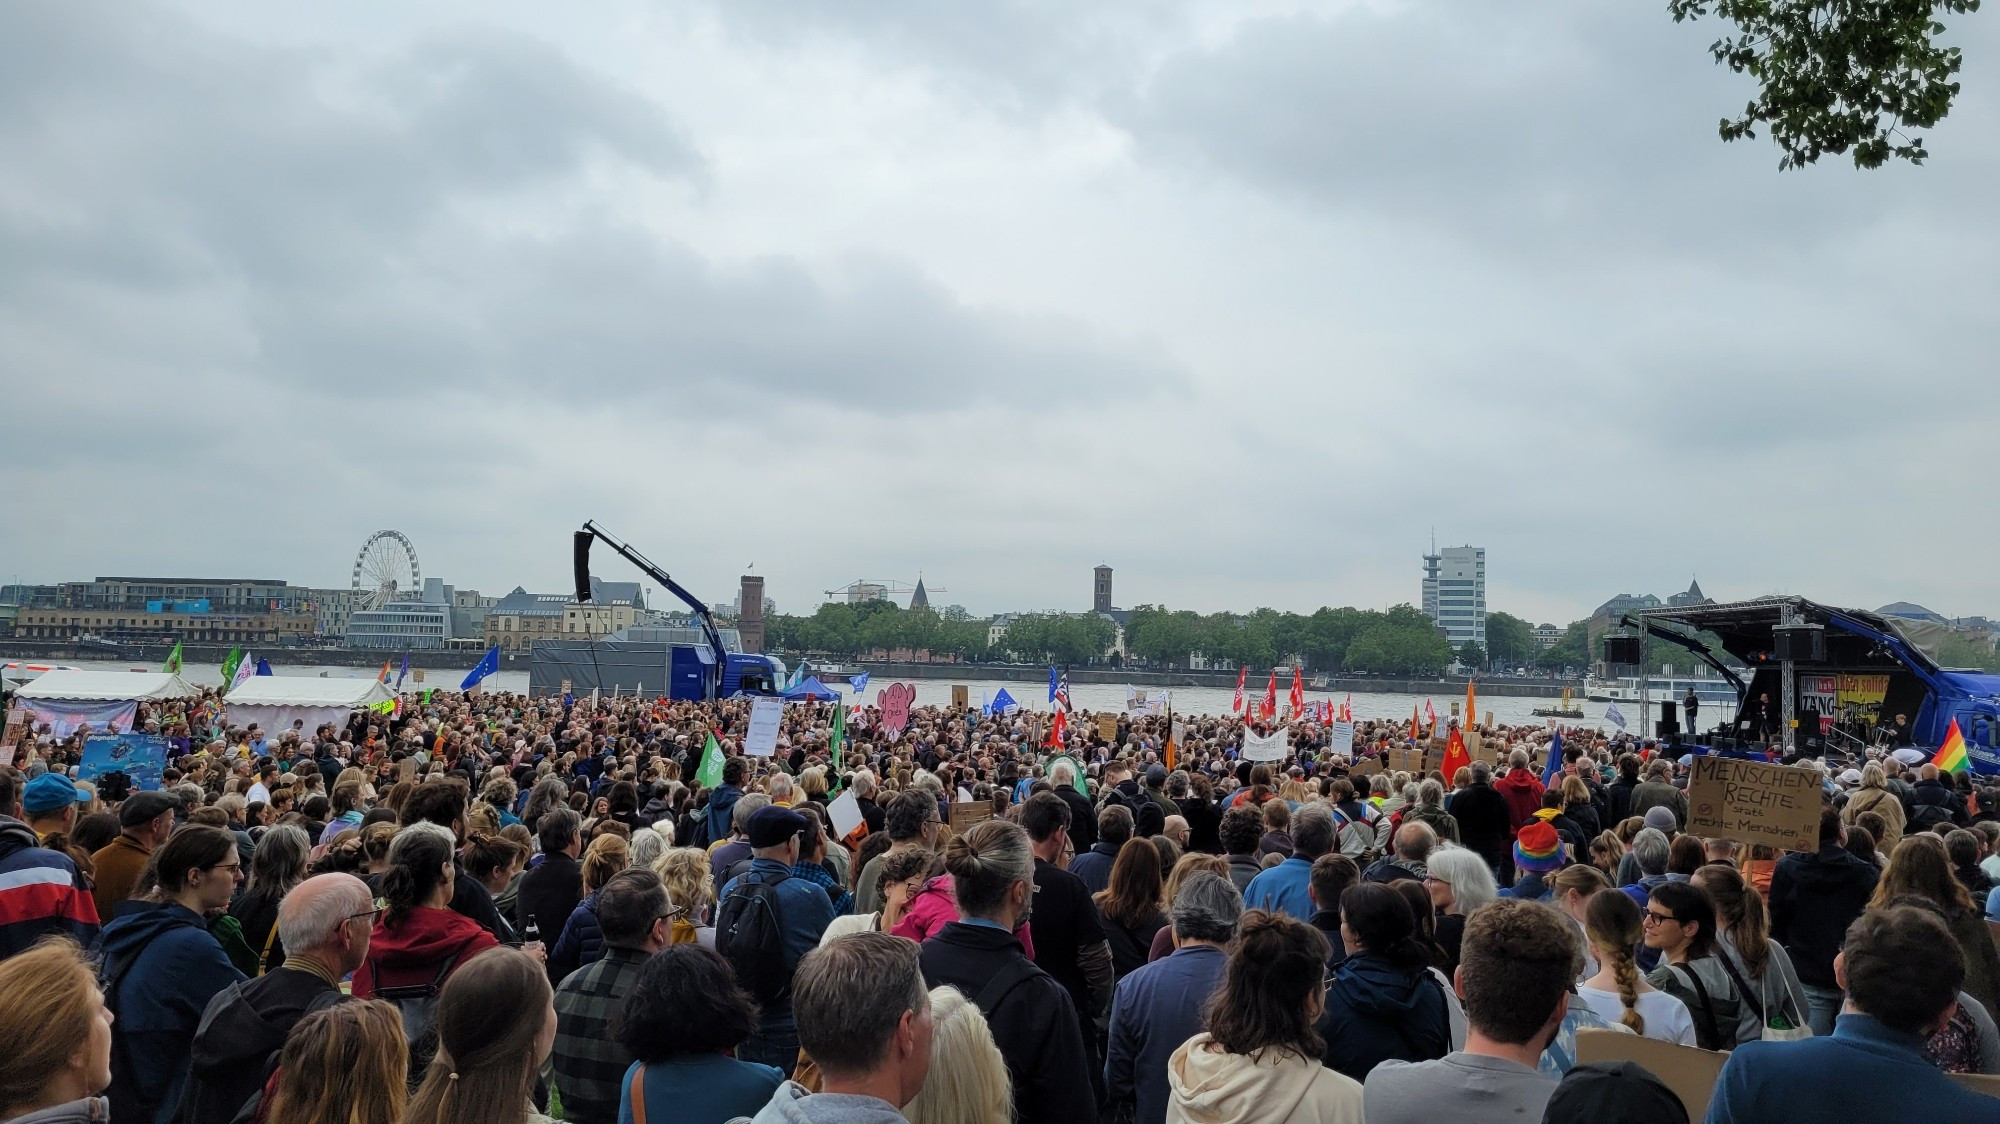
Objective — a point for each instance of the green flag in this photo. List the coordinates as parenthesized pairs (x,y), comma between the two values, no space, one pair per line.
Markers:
(173,664)
(230,665)
(839,738)
(710,773)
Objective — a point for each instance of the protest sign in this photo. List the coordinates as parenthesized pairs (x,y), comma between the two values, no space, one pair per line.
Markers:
(1365,767)
(1107,727)
(17,727)
(767,714)
(961,697)
(965,813)
(139,756)
(894,702)
(1267,747)
(845,812)
(1343,738)
(1406,760)
(1752,802)
(1145,702)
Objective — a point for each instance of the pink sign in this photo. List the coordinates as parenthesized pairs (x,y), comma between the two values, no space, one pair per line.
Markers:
(894,702)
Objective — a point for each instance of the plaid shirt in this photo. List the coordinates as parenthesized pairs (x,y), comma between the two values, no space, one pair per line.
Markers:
(590,1065)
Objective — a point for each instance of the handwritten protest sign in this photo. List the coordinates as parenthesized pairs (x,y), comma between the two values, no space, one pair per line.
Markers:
(1752,802)
(1343,738)
(894,702)
(1406,760)
(961,696)
(767,714)
(1107,727)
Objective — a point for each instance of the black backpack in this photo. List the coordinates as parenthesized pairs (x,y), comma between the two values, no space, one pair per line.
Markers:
(749,934)
(417,1004)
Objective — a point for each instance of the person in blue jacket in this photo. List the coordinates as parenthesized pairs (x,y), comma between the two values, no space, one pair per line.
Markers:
(1381,1001)
(161,967)
(1902,972)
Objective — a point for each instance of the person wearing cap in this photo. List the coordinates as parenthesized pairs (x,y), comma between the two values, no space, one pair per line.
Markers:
(804,911)
(1155,793)
(1538,853)
(49,804)
(41,890)
(145,820)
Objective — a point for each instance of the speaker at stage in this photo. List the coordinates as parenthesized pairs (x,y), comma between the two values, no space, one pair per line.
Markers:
(1799,643)
(1623,649)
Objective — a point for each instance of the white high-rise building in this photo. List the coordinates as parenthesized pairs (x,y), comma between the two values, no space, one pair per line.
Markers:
(1455,592)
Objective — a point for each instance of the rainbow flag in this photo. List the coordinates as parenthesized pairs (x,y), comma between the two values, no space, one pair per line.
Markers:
(1951,755)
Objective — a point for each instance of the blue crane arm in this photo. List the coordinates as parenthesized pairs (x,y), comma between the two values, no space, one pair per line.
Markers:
(592,531)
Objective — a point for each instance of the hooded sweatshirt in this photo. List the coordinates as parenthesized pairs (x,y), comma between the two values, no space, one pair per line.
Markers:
(721,808)
(41,893)
(791,1104)
(415,949)
(1376,1011)
(1523,792)
(1208,1086)
(164,967)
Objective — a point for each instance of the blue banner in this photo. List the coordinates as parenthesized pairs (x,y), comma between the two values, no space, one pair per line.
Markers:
(140,756)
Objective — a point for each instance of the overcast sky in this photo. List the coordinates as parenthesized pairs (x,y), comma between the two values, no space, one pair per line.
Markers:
(1242,298)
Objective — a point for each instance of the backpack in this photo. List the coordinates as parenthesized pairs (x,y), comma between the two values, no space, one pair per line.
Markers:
(417,1003)
(1926,817)
(749,933)
(1354,838)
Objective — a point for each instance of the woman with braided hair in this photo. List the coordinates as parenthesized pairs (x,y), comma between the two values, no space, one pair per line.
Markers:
(1618,992)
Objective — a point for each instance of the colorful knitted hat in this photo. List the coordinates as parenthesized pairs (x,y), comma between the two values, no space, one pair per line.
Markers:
(1538,848)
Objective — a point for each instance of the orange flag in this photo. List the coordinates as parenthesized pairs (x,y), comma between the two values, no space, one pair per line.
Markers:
(1415,732)
(1471,711)
(1455,756)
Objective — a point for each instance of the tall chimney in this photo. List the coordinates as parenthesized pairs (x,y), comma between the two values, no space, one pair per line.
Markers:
(750,613)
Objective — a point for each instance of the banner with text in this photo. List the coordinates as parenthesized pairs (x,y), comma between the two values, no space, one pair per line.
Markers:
(1266,747)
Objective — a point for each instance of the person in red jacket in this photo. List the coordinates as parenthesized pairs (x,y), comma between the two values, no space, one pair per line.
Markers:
(1522,790)
(420,939)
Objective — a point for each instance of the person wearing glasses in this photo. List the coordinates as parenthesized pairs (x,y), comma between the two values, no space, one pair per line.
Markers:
(161,967)
(324,924)
(1679,923)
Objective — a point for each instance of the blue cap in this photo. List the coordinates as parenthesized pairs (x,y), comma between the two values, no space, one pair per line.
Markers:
(47,793)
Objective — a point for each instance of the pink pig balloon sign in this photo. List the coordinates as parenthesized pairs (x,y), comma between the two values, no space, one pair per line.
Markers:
(894,702)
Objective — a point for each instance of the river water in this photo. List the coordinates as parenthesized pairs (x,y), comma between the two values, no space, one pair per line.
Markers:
(1031,695)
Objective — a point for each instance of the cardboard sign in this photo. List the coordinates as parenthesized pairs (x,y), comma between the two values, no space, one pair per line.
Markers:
(894,703)
(1406,760)
(406,769)
(418,675)
(961,696)
(1366,767)
(17,727)
(1107,727)
(1752,802)
(1480,751)
(1691,1073)
(767,714)
(968,812)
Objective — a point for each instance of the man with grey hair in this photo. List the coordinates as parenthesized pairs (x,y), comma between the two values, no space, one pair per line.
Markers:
(1414,843)
(1158,1007)
(864,1016)
(864,786)
(1650,851)
(324,924)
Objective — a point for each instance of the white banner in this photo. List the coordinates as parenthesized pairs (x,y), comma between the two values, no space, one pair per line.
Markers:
(767,714)
(1152,703)
(1269,747)
(1343,738)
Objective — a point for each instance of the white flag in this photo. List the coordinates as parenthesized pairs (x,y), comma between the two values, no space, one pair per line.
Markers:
(1614,716)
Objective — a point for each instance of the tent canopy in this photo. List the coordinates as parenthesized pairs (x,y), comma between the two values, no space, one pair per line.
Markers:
(300,690)
(108,686)
(812,688)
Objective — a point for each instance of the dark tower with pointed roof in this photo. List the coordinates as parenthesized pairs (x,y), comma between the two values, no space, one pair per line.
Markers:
(920,599)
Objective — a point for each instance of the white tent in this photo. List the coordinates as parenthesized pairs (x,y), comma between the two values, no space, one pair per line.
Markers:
(67,698)
(274,702)
(108,686)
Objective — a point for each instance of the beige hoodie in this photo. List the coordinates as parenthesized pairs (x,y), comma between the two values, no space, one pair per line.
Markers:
(1207,1086)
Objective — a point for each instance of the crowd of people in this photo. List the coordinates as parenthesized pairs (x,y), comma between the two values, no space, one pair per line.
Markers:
(490,909)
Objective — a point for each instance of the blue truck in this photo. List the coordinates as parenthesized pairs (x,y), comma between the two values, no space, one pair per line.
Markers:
(1860,670)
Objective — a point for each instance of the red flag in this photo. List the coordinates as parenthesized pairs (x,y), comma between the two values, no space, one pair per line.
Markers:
(1455,756)
(1271,695)
(1237,706)
(1347,708)
(1056,732)
(1298,693)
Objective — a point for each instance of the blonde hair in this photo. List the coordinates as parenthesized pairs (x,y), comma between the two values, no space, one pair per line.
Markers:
(606,856)
(51,997)
(1194,862)
(968,1082)
(1616,926)
(344,1064)
(689,883)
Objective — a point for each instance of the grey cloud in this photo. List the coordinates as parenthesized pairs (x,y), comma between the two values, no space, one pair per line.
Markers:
(325,225)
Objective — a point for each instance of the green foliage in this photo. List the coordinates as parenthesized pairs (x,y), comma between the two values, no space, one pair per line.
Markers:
(1401,640)
(1837,75)
(1573,650)
(1963,651)
(846,630)
(1059,638)
(1472,655)
(1510,639)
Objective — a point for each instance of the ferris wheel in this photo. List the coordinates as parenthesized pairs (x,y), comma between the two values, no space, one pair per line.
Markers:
(385,568)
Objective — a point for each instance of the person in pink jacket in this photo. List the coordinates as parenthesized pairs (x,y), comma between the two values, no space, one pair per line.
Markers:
(935,906)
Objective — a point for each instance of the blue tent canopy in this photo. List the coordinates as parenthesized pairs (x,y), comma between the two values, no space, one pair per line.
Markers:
(811,689)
